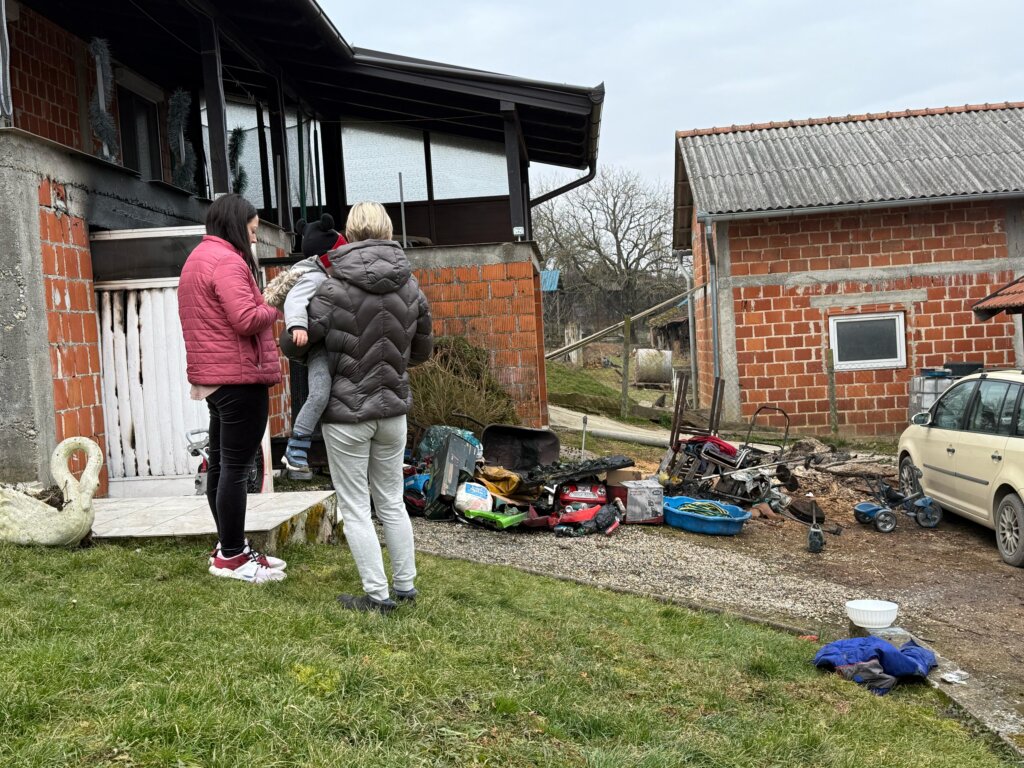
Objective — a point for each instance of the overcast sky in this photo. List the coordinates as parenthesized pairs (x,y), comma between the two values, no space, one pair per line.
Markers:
(671,66)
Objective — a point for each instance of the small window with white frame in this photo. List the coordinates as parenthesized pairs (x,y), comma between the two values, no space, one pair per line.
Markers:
(864,342)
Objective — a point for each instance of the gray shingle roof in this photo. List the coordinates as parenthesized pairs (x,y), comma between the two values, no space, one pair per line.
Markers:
(868,158)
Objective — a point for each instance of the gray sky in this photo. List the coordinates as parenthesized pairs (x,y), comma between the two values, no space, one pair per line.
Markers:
(671,66)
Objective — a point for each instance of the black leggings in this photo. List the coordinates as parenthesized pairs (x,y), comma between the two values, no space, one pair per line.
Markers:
(238,419)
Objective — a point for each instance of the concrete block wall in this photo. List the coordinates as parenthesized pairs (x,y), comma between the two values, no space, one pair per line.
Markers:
(490,294)
(72,325)
(781,280)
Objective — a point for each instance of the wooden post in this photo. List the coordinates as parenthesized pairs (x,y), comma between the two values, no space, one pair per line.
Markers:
(833,407)
(213,88)
(514,162)
(627,330)
(261,136)
(279,151)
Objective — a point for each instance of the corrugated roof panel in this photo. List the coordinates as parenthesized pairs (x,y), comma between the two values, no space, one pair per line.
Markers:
(857,161)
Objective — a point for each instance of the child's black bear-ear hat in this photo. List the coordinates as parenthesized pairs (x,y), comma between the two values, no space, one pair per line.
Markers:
(318,237)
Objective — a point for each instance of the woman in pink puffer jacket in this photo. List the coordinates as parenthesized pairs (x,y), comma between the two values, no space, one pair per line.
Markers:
(231,363)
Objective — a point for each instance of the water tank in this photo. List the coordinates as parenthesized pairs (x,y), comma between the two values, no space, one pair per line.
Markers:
(653,366)
(925,390)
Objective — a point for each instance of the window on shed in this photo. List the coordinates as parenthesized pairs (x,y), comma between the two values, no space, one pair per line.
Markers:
(861,342)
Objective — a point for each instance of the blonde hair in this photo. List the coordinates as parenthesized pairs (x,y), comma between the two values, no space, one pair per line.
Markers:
(368,221)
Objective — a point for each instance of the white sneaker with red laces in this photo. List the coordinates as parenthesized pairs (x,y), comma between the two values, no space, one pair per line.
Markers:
(268,561)
(245,566)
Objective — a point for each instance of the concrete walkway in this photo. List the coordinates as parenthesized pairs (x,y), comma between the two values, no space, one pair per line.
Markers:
(564,418)
(271,518)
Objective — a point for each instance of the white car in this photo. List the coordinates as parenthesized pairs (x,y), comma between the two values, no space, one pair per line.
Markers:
(970,450)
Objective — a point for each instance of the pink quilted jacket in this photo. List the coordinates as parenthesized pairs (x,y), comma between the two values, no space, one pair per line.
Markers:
(226,324)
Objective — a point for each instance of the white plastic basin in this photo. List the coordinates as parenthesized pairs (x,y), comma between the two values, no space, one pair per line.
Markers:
(872,614)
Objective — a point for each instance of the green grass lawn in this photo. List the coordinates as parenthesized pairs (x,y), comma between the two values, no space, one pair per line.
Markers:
(112,657)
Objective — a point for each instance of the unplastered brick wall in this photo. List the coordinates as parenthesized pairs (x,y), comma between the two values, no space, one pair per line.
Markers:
(903,257)
(73,328)
(497,307)
(280,395)
(44,89)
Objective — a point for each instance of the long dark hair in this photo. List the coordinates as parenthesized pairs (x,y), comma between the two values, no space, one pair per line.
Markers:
(227,219)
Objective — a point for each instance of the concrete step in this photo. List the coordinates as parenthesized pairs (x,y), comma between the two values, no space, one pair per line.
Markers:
(272,519)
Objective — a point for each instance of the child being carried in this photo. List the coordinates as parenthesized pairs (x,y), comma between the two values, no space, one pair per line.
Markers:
(294,289)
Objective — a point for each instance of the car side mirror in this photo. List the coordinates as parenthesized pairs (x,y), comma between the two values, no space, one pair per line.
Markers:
(922,419)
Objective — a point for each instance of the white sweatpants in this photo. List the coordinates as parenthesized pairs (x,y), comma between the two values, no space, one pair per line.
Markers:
(366,459)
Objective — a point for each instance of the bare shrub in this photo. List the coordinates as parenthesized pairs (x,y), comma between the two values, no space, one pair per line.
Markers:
(457,379)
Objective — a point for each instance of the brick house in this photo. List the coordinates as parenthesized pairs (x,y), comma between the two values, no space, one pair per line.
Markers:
(96,229)
(865,239)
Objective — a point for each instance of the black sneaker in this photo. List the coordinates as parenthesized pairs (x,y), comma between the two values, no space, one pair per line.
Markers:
(366,603)
(408,596)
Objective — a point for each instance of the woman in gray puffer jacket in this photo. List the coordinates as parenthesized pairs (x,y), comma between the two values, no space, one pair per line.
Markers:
(375,323)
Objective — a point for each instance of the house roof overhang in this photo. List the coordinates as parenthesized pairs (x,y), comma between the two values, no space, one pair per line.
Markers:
(295,41)
(1009,299)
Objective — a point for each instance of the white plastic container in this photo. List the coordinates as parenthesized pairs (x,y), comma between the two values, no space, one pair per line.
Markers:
(872,614)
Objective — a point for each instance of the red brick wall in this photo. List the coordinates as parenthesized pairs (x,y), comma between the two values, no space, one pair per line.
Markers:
(280,395)
(73,325)
(44,91)
(781,340)
(497,307)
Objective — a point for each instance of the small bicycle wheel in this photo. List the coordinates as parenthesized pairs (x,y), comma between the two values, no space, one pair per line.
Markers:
(885,521)
(254,480)
(928,515)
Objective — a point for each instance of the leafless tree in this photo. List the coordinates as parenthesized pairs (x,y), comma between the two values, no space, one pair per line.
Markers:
(612,240)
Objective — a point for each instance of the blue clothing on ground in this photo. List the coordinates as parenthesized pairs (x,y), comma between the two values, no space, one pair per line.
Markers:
(909,661)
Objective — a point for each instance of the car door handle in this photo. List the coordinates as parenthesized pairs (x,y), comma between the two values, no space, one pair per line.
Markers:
(996,457)
(951,450)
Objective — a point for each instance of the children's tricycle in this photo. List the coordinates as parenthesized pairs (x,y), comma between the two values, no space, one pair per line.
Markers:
(882,512)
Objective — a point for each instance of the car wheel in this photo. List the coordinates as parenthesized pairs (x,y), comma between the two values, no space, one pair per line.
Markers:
(1010,530)
(885,521)
(910,483)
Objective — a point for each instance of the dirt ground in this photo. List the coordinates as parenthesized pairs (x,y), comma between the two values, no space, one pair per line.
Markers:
(973,602)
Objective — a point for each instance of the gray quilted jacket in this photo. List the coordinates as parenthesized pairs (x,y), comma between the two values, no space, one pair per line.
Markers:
(375,323)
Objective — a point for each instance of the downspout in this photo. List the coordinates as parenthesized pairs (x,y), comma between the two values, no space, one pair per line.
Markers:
(709,240)
(566,187)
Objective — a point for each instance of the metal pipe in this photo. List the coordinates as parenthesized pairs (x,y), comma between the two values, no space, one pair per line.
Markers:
(401,206)
(612,328)
(709,239)
(691,317)
(565,187)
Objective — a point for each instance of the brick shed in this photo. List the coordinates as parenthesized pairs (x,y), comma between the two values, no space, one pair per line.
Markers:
(865,239)
(95,231)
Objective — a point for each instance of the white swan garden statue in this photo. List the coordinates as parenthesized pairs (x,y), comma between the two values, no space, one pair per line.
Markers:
(26,520)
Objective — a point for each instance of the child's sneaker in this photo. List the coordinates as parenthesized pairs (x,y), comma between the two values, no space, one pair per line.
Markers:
(296,458)
(244,567)
(276,563)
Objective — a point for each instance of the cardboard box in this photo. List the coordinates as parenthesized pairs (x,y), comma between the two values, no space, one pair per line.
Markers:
(620,476)
(645,501)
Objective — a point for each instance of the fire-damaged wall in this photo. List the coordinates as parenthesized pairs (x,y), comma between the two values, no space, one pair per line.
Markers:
(782,280)
(49,354)
(490,294)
